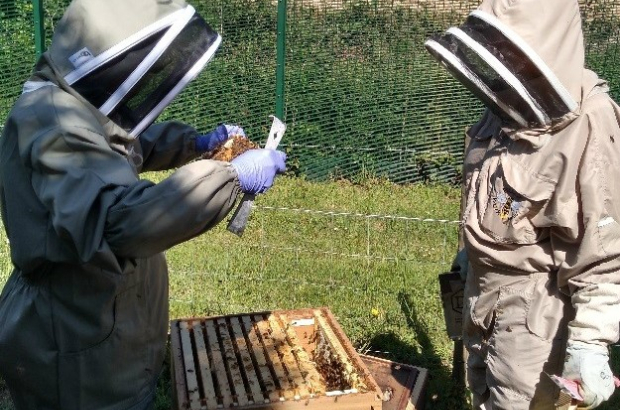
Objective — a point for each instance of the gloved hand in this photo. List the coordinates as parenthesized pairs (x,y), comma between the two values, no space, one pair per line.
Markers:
(461,264)
(211,140)
(234,130)
(589,365)
(257,168)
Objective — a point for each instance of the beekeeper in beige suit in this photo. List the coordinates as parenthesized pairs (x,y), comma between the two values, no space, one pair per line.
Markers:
(542,211)
(84,315)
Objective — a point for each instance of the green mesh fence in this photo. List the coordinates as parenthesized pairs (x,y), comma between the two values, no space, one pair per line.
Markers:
(361,98)
(602,31)
(17,50)
(359,93)
(364,97)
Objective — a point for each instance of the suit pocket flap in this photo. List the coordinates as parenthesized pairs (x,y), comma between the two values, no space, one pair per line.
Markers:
(526,183)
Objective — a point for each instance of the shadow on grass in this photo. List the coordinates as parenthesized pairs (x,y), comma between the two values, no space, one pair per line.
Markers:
(443,390)
(163,394)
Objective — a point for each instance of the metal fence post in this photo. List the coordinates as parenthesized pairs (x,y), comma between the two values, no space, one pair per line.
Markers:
(39,26)
(281,58)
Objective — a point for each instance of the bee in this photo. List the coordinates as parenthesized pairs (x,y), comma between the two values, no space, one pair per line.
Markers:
(506,207)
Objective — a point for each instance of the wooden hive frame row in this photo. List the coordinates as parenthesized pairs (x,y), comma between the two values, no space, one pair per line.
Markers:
(258,360)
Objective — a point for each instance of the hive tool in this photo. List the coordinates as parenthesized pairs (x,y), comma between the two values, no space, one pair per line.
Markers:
(240,217)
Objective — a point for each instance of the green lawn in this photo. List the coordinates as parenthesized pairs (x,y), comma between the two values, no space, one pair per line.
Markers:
(352,248)
(342,258)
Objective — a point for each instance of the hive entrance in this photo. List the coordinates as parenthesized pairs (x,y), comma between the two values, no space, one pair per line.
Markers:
(256,359)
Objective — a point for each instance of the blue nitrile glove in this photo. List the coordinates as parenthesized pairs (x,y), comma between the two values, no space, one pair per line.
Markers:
(257,168)
(211,140)
(233,130)
(589,365)
(460,264)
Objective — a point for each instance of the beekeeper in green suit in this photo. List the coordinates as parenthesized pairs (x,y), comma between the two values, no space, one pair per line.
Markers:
(84,315)
(542,205)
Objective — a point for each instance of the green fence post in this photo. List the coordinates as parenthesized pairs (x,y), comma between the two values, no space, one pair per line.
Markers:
(281,51)
(39,26)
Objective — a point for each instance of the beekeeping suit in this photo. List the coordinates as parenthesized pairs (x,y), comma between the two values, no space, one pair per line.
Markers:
(84,315)
(541,214)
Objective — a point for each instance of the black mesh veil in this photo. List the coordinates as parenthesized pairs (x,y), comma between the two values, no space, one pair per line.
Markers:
(99,85)
(531,73)
(140,104)
(502,71)
(464,74)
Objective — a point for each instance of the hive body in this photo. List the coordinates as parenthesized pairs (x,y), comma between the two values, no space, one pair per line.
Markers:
(269,360)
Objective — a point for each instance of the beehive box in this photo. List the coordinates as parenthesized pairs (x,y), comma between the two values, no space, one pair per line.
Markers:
(269,360)
(403,385)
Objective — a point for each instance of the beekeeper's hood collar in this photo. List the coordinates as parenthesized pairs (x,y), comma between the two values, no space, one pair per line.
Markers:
(523,58)
(131,58)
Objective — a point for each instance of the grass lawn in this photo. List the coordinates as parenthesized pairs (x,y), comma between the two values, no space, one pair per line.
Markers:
(353,248)
(342,257)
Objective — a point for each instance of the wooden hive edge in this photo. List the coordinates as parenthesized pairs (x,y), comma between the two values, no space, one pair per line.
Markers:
(177,375)
(353,354)
(417,385)
(372,397)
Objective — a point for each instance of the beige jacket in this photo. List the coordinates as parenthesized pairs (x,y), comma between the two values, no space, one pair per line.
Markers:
(547,200)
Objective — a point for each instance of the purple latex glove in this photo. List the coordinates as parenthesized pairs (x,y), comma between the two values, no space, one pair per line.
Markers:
(257,168)
(211,140)
(234,130)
